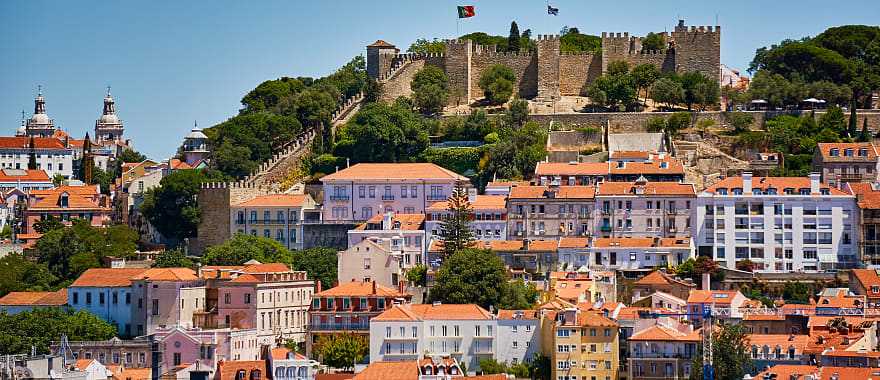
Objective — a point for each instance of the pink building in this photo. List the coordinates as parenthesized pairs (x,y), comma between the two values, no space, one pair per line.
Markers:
(66,203)
(165,297)
(364,190)
(206,347)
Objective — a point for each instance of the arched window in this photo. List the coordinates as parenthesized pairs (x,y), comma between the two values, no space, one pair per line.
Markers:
(256,374)
(765,351)
(754,352)
(303,372)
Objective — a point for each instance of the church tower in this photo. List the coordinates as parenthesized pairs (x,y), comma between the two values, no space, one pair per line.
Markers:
(109,129)
(40,125)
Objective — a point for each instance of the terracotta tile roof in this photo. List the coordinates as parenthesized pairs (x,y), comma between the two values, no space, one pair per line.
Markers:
(574,242)
(24,175)
(868,197)
(178,164)
(849,373)
(790,372)
(281,353)
(167,274)
(275,200)
(778,183)
(24,142)
(572,168)
(507,183)
(334,376)
(78,198)
(572,290)
(394,171)
(630,154)
(134,374)
(662,333)
(648,189)
(82,364)
(266,268)
(360,289)
(380,43)
(57,298)
(841,300)
(763,317)
(561,192)
(86,190)
(824,150)
(660,278)
(822,320)
(524,314)
(595,319)
(672,166)
(404,370)
(868,278)
(225,271)
(226,370)
(505,245)
(246,279)
(408,222)
(423,312)
(107,277)
(799,342)
(720,297)
(852,354)
(482,202)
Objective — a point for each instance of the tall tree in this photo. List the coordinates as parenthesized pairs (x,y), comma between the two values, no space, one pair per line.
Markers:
(342,351)
(430,89)
(865,135)
(455,230)
(514,37)
(497,83)
(853,120)
(32,155)
(173,206)
(644,76)
(173,258)
(730,353)
(471,276)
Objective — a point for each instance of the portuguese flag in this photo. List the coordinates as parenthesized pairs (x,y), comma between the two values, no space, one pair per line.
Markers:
(465,11)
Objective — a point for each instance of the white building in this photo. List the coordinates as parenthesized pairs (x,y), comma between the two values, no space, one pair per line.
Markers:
(402,235)
(519,336)
(51,154)
(488,221)
(409,332)
(782,224)
(107,293)
(289,365)
(273,216)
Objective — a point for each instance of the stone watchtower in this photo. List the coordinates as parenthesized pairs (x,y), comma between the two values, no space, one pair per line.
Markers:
(380,55)
(548,68)
(697,49)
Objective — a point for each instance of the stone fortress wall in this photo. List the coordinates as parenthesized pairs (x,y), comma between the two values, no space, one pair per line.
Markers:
(546,73)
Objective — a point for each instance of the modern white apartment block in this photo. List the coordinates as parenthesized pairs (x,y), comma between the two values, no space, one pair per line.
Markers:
(410,332)
(488,221)
(782,224)
(364,190)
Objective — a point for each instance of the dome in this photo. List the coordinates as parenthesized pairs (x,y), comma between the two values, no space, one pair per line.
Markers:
(40,118)
(22,131)
(109,119)
(196,133)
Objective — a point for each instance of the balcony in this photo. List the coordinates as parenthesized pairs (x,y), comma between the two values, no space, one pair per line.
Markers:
(437,197)
(660,355)
(339,326)
(387,197)
(265,221)
(605,228)
(339,197)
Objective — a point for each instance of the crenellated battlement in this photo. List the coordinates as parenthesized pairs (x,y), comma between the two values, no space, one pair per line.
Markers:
(616,35)
(694,29)
(505,54)
(547,37)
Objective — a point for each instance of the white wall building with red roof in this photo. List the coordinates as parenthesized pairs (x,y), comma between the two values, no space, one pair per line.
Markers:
(488,221)
(273,216)
(783,224)
(51,154)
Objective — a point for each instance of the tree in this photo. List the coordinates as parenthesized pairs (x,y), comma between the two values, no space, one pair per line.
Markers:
(234,160)
(575,42)
(667,91)
(69,251)
(739,121)
(746,265)
(130,155)
(519,296)
(320,263)
(541,368)
(58,179)
(491,366)
(173,258)
(676,123)
(342,350)
(39,327)
(382,133)
(21,274)
(32,155)
(699,89)
(833,119)
(730,353)
(865,134)
(853,121)
(616,88)
(470,276)
(423,46)
(455,230)
(653,42)
(430,89)
(172,207)
(644,76)
(243,142)
(45,225)
(242,248)
(418,275)
(497,83)
(514,38)
(517,113)
(796,292)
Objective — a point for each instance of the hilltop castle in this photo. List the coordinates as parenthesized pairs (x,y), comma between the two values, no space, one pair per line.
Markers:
(546,73)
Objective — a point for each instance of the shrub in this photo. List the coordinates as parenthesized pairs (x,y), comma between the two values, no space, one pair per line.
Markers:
(497,83)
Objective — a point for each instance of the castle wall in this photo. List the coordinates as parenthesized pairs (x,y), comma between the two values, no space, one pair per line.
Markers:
(524,66)
(698,49)
(399,83)
(577,71)
(458,70)
(548,67)
(214,201)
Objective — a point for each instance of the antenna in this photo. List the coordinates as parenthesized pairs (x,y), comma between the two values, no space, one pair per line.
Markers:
(108,90)
(39,89)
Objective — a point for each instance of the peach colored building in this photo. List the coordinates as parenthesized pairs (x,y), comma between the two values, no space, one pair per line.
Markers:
(367,189)
(645,209)
(550,212)
(66,203)
(165,297)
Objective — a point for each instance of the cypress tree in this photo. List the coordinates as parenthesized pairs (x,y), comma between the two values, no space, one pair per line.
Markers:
(853,120)
(32,155)
(513,39)
(455,230)
(865,135)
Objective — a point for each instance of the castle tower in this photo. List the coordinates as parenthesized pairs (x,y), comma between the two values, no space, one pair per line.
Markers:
(108,128)
(380,55)
(40,125)
(548,68)
(458,70)
(697,49)
(195,145)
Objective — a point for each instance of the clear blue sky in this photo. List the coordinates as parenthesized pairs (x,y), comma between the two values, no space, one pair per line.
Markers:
(172,62)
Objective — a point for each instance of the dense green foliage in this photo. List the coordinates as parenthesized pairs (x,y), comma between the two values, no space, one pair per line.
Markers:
(516,154)
(480,277)
(418,275)
(491,366)
(653,42)
(513,40)
(497,83)
(69,251)
(21,274)
(695,268)
(730,354)
(668,92)
(572,41)
(423,46)
(38,328)
(382,133)
(172,207)
(342,351)
(320,264)
(173,258)
(430,89)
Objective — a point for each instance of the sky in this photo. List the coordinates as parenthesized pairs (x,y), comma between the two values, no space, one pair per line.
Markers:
(171,63)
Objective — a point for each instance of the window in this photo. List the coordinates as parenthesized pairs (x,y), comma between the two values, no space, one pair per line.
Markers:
(155,306)
(362,191)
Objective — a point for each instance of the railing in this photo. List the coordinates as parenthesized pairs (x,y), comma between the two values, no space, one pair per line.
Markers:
(339,326)
(266,221)
(660,355)
(437,197)
(387,197)
(339,197)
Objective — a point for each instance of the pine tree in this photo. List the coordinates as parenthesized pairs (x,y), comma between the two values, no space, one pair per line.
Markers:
(455,231)
(513,39)
(865,136)
(853,121)
(32,155)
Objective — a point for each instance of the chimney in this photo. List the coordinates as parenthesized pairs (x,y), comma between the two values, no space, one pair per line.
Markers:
(707,282)
(472,195)
(374,286)
(401,287)
(747,182)
(318,285)
(814,183)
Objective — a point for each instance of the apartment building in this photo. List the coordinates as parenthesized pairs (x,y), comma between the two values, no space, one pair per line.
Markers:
(488,221)
(774,349)
(66,203)
(52,155)
(585,345)
(868,202)
(662,352)
(275,216)
(782,224)
(727,303)
(165,297)
(866,282)
(404,232)
(520,256)
(348,308)
(466,333)
(375,259)
(660,281)
(550,212)
(209,348)
(841,163)
(623,168)
(367,189)
(644,209)
(639,254)
(107,293)
(518,336)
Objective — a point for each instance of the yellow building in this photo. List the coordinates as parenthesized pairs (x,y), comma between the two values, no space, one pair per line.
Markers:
(585,345)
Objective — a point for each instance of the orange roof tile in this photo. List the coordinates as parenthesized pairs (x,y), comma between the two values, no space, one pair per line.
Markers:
(275,200)
(281,353)
(712,296)
(394,171)
(403,370)
(790,372)
(246,278)
(824,150)
(778,183)
(571,168)
(57,298)
(849,373)
(595,319)
(380,43)
(422,312)
(868,197)
(648,189)
(266,268)
(672,166)
(107,277)
(167,274)
(82,364)
(574,242)
(868,278)
(24,175)
(134,374)
(630,154)
(558,192)
(665,334)
(226,370)
(518,314)
(799,342)
(482,202)
(24,142)
(408,222)
(660,278)
(360,289)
